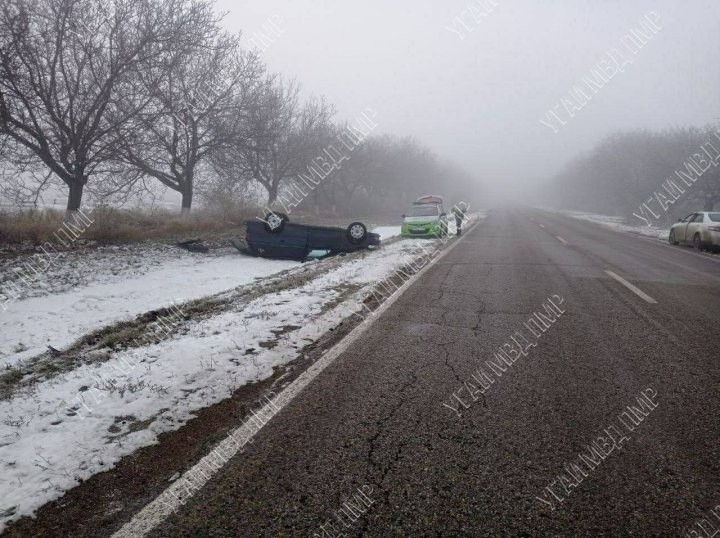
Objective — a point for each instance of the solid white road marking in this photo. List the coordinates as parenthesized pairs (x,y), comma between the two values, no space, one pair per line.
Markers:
(632,288)
(169,501)
(561,240)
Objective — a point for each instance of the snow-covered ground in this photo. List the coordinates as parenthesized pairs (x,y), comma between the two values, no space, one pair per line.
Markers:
(48,445)
(386,232)
(85,290)
(29,325)
(79,268)
(619,224)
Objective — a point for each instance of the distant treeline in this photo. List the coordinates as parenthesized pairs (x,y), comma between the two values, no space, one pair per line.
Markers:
(653,177)
(109,99)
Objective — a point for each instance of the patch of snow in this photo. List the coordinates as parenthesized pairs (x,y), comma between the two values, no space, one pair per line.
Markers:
(74,269)
(620,224)
(47,447)
(58,319)
(386,232)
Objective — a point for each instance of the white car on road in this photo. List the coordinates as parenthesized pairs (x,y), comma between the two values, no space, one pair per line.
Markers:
(701,230)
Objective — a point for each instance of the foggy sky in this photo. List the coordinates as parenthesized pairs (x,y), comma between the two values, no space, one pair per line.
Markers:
(478,100)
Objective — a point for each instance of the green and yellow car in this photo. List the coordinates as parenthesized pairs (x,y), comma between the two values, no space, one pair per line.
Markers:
(426,218)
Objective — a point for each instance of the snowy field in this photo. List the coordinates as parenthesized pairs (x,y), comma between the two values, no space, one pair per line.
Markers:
(112,292)
(60,431)
(86,290)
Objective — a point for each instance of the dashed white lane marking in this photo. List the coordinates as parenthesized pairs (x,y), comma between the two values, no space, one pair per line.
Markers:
(561,240)
(632,288)
(172,498)
(541,225)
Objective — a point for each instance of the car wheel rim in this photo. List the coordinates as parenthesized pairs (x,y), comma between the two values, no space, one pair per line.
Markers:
(274,222)
(356,232)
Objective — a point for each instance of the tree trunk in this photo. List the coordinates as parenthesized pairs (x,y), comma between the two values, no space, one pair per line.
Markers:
(272,194)
(187,195)
(75,196)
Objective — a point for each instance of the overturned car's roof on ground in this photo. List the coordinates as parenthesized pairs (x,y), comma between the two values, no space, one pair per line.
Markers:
(287,240)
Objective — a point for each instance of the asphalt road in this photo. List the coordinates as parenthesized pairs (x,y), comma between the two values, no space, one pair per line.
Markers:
(374,421)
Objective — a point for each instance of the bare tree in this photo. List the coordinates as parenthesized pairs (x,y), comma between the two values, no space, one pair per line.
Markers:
(630,168)
(197,109)
(710,182)
(282,137)
(346,189)
(63,66)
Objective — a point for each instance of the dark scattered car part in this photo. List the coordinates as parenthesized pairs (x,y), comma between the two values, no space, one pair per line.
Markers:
(193,245)
(296,241)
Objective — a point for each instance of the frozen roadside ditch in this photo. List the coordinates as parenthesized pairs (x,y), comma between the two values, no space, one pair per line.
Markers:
(48,446)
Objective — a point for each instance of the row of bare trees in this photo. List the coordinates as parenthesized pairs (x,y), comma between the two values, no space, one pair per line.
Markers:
(77,77)
(111,97)
(386,174)
(626,169)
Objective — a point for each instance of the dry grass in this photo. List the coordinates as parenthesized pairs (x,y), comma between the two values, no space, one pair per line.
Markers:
(31,225)
(112,226)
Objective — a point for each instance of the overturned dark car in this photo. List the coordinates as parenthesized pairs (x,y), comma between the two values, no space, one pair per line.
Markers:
(277,237)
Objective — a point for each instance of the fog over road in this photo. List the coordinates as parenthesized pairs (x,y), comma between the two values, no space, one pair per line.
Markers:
(372,428)
(235,302)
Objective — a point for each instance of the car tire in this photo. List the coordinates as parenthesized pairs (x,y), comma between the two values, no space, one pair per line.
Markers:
(275,222)
(671,239)
(356,233)
(697,243)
